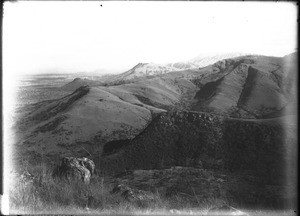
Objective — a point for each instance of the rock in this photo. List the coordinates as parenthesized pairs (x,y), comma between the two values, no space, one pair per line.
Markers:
(26,176)
(89,164)
(75,168)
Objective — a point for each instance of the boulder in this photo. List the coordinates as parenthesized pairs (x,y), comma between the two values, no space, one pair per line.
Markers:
(75,168)
(89,164)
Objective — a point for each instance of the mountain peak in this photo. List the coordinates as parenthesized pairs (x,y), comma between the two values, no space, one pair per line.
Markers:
(144,69)
(77,79)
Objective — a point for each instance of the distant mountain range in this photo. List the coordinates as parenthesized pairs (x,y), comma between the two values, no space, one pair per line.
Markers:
(143,69)
(205,60)
(152,69)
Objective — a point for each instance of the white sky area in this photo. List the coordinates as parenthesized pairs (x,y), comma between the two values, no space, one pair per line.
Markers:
(46,37)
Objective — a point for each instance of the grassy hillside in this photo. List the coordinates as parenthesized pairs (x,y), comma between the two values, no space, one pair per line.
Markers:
(85,120)
(201,139)
(245,87)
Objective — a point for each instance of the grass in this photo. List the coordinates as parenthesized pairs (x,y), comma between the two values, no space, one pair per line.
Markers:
(45,195)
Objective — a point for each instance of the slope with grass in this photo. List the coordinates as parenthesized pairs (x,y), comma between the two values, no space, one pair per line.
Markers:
(201,139)
(82,122)
(247,87)
(254,154)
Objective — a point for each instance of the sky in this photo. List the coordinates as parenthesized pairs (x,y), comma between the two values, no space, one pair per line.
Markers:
(60,36)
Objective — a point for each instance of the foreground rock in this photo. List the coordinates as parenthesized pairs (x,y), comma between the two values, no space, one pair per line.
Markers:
(75,168)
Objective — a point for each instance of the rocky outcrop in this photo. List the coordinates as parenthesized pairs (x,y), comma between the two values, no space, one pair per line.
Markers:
(72,168)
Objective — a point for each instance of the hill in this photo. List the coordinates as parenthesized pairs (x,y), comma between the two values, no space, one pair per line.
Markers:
(249,87)
(91,116)
(206,140)
(78,82)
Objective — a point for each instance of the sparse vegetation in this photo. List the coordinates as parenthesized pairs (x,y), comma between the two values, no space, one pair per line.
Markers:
(173,191)
(44,194)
